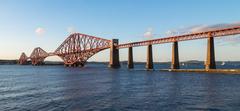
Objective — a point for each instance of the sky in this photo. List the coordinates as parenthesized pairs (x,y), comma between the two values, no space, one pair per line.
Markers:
(26,24)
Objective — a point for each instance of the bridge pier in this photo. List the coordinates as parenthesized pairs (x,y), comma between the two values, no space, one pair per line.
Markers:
(39,63)
(81,65)
(77,64)
(68,65)
(114,54)
(149,64)
(210,61)
(175,56)
(130,58)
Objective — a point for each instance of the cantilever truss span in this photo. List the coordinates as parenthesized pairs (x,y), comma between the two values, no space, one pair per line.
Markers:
(38,55)
(75,50)
(78,48)
(23,59)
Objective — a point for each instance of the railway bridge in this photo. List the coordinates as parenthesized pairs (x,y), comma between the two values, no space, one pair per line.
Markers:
(78,48)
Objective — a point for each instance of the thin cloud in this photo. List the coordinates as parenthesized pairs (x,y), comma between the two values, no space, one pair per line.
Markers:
(148,34)
(40,31)
(232,40)
(201,28)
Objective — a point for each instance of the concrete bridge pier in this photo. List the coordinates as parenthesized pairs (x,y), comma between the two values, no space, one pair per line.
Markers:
(175,56)
(75,65)
(210,61)
(81,65)
(114,55)
(130,58)
(149,64)
(68,65)
(38,64)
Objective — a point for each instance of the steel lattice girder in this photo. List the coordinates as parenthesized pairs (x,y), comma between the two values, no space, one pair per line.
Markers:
(38,55)
(78,48)
(23,59)
(193,36)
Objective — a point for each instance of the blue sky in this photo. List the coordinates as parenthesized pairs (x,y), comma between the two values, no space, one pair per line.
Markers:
(126,20)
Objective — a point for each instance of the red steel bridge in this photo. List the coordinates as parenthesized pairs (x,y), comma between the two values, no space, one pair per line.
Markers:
(78,48)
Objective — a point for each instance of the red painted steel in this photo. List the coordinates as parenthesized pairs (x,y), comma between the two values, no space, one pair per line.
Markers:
(78,48)
(23,59)
(38,55)
(200,35)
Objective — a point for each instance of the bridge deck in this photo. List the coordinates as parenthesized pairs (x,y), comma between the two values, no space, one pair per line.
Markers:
(193,36)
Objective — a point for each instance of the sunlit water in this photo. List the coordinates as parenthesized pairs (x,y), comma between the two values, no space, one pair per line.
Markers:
(98,88)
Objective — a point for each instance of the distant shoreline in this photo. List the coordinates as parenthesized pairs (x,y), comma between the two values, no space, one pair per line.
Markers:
(8,62)
(14,62)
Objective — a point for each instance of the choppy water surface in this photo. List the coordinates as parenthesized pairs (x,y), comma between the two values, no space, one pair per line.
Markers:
(97,88)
